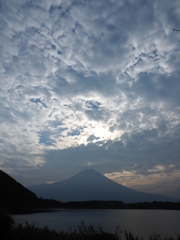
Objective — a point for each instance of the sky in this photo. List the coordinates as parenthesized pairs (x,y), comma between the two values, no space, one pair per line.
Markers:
(91,84)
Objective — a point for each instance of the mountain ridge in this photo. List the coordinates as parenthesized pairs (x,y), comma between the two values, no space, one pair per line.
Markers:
(16,199)
(12,190)
(90,185)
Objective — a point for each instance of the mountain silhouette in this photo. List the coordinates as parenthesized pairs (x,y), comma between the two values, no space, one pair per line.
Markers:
(15,198)
(91,185)
(13,191)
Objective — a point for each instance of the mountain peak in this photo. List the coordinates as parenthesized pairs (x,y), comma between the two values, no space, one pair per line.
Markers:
(88,171)
(92,185)
(86,179)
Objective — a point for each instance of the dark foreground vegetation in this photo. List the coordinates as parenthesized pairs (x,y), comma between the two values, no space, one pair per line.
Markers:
(10,231)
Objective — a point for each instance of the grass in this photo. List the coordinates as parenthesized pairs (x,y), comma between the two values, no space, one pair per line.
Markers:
(10,231)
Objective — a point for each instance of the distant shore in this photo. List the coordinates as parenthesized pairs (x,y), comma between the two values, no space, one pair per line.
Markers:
(45,205)
(122,205)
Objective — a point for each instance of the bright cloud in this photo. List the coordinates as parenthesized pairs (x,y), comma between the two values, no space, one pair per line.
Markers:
(160,180)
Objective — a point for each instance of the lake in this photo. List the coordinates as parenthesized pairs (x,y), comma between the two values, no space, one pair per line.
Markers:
(139,222)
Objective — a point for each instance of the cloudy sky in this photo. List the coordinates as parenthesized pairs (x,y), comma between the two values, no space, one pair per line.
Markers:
(91,84)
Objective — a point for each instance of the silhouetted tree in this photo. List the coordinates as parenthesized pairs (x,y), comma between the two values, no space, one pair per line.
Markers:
(6,224)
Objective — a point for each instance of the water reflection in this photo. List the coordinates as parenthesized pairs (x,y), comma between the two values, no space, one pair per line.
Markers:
(139,222)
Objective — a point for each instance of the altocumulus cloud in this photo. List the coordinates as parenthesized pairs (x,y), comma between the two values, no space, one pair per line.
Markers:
(91,84)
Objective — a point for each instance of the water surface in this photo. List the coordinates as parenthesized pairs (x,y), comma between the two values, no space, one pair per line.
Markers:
(139,222)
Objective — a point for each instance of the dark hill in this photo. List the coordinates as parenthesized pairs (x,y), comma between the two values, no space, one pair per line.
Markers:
(13,191)
(15,198)
(91,185)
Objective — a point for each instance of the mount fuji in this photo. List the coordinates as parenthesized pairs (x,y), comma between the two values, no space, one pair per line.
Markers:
(91,185)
